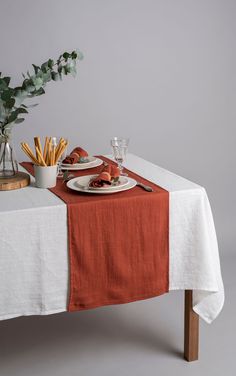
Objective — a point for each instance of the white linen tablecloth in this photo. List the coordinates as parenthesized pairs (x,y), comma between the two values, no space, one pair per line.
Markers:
(34,270)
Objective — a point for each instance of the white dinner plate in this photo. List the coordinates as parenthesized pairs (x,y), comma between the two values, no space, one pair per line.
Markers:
(75,184)
(93,162)
(83,182)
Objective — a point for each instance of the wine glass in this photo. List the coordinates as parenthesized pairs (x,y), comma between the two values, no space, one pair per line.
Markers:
(55,142)
(119,149)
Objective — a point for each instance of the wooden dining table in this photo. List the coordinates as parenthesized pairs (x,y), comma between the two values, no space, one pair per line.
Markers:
(34,257)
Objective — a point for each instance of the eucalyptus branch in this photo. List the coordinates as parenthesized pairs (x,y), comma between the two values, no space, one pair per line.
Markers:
(12,99)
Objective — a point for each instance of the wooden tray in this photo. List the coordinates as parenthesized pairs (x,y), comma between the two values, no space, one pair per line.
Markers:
(20,180)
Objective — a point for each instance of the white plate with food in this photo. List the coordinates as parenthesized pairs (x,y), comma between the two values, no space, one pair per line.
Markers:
(81,184)
(90,162)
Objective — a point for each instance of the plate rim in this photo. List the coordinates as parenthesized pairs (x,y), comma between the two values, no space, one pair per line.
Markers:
(83,166)
(80,164)
(132,184)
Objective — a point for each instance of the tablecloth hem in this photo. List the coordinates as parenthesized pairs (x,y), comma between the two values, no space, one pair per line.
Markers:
(209,289)
(31,313)
(207,318)
(74,308)
(201,307)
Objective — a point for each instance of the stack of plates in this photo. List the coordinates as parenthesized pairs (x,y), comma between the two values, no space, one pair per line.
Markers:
(81,184)
(91,162)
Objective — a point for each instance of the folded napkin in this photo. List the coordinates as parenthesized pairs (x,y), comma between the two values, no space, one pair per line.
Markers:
(75,156)
(107,176)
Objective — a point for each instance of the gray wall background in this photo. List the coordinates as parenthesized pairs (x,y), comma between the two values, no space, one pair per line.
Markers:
(159,71)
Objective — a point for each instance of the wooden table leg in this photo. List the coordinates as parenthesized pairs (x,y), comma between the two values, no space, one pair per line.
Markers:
(191,329)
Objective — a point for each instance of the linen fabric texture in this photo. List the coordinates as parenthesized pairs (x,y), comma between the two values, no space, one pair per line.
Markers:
(34,265)
(118,244)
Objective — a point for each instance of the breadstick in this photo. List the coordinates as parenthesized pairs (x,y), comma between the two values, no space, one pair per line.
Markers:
(26,146)
(38,144)
(49,151)
(40,157)
(50,158)
(53,156)
(45,148)
(60,141)
(59,145)
(29,155)
(28,151)
(63,145)
(60,152)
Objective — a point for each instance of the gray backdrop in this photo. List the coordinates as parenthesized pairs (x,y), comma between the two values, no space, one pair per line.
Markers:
(160,72)
(164,74)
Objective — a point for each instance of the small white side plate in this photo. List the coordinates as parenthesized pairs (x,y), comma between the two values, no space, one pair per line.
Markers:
(93,162)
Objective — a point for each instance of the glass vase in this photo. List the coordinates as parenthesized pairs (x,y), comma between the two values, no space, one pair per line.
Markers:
(8,162)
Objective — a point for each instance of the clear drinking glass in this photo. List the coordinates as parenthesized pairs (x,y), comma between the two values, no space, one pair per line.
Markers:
(55,142)
(119,149)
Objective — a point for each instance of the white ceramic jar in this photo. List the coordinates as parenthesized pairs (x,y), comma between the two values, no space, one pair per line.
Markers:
(45,177)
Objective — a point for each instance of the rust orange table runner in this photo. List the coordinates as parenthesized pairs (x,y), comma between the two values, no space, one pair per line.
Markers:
(118,244)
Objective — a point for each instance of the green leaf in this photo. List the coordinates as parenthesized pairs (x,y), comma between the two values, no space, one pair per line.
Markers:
(3,84)
(46,77)
(44,67)
(39,74)
(6,95)
(30,88)
(74,55)
(36,68)
(25,83)
(11,99)
(19,120)
(55,76)
(10,103)
(12,117)
(38,82)
(50,63)
(65,175)
(17,89)
(68,68)
(66,55)
(3,114)
(20,96)
(7,80)
(21,110)
(39,92)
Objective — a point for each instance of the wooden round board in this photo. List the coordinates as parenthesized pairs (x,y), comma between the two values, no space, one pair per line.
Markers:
(20,180)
